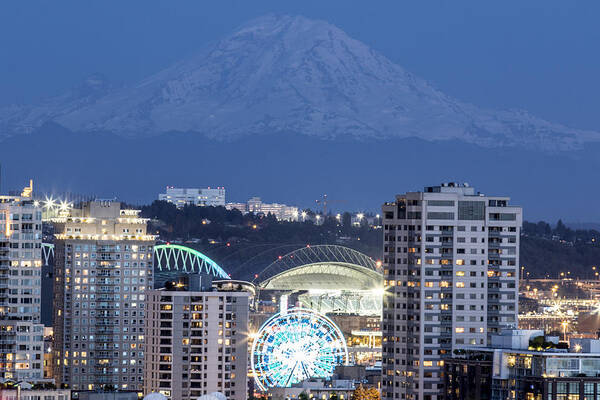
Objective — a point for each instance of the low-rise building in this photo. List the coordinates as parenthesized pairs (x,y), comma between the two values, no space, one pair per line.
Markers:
(521,364)
(101,395)
(34,394)
(316,389)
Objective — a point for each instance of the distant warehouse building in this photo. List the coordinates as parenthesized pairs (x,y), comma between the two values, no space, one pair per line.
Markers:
(194,196)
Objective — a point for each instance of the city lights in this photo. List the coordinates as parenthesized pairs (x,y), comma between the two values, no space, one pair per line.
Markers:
(295,346)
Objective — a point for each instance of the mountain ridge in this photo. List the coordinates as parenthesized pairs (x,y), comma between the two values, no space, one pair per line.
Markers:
(279,74)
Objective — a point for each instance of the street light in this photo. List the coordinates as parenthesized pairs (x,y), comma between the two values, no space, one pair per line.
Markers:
(564,326)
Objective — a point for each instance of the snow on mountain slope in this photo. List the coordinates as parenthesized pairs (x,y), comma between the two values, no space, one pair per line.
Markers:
(281,74)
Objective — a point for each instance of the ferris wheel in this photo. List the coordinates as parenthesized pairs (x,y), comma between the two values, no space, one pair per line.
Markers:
(296,345)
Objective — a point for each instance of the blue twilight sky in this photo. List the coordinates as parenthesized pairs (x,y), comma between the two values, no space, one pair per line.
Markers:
(539,55)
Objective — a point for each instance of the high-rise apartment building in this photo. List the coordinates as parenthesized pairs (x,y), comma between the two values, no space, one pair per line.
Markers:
(194,196)
(21,333)
(451,267)
(196,343)
(103,266)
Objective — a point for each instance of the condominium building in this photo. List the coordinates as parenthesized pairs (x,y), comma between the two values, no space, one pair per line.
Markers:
(451,258)
(196,343)
(21,333)
(194,196)
(103,266)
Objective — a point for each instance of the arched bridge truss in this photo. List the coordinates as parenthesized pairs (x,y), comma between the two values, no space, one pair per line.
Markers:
(173,257)
(318,254)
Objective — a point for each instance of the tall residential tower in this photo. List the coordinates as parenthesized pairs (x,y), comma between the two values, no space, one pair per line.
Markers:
(103,266)
(21,333)
(451,266)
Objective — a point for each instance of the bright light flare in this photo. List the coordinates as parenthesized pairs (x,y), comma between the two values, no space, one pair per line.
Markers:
(296,346)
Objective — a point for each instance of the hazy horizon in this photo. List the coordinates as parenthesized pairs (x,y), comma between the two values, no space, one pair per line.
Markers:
(538,57)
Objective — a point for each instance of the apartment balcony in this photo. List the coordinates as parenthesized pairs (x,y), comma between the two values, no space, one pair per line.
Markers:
(101,378)
(105,298)
(106,323)
(105,330)
(106,281)
(106,354)
(108,307)
(103,338)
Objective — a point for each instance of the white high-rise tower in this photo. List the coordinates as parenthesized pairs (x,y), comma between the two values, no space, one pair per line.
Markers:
(451,267)
(21,333)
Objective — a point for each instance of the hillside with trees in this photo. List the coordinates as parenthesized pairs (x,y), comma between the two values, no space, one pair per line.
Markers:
(245,244)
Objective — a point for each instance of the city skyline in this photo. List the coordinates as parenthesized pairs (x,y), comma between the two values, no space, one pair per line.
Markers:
(299,200)
(137,313)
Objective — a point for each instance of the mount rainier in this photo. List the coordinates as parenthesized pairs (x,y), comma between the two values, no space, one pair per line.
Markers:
(281,75)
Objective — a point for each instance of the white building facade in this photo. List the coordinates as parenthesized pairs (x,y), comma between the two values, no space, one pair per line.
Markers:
(194,196)
(451,266)
(255,205)
(21,333)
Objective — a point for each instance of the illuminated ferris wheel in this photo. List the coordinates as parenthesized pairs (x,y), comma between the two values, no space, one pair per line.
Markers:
(294,346)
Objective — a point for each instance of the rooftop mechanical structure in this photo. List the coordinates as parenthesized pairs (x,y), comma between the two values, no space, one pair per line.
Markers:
(328,279)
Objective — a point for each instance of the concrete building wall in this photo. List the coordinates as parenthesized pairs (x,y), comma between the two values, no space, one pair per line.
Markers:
(451,260)
(196,344)
(21,333)
(42,394)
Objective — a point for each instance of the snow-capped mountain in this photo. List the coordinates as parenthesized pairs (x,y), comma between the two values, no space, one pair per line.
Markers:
(283,74)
